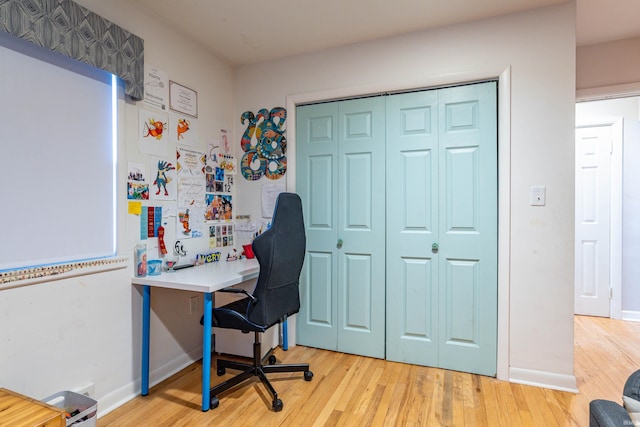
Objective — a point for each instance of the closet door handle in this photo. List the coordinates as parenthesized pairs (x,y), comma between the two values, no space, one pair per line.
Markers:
(435,247)
(339,244)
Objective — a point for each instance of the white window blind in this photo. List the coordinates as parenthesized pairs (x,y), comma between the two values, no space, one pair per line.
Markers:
(58,148)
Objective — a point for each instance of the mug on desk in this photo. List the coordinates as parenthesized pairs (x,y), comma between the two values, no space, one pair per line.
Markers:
(248,251)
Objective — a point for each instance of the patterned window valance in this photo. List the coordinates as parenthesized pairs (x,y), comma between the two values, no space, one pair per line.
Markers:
(68,28)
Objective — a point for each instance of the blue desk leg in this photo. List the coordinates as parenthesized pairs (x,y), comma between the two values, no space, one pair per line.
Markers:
(206,352)
(146,309)
(285,335)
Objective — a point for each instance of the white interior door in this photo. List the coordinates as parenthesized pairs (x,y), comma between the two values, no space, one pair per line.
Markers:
(593,221)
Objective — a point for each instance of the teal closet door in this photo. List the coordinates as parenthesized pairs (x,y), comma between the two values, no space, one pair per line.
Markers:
(442,228)
(468,255)
(361,218)
(400,199)
(341,175)
(412,228)
(317,184)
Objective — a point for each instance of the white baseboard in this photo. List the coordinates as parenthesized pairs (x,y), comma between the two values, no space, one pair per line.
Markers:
(633,316)
(543,379)
(131,390)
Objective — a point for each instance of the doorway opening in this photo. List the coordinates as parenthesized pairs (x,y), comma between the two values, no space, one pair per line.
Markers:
(607,198)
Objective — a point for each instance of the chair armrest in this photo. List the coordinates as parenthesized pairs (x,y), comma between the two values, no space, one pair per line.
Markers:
(605,413)
(239,291)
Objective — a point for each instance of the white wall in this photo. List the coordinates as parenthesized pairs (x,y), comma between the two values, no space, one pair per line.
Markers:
(536,262)
(63,334)
(629,110)
(613,64)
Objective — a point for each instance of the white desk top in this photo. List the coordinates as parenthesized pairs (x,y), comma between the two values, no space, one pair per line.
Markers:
(209,277)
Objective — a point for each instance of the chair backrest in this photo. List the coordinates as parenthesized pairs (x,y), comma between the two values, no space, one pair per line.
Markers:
(280,251)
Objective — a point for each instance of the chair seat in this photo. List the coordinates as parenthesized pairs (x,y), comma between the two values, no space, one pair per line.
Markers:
(240,306)
(234,316)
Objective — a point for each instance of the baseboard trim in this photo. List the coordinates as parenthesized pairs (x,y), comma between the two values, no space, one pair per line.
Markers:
(543,379)
(633,316)
(131,390)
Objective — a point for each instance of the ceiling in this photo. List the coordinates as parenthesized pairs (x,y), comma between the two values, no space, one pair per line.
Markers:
(246,31)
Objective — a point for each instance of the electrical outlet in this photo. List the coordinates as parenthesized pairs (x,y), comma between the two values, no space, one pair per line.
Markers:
(538,196)
(88,390)
(194,301)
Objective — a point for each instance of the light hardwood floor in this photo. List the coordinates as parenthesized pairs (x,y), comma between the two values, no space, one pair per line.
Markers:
(351,390)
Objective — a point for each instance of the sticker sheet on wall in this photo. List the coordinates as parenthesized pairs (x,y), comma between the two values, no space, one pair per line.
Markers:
(264,144)
(221,235)
(219,159)
(228,163)
(215,180)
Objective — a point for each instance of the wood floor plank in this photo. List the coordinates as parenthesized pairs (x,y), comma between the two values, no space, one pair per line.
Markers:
(468,402)
(384,410)
(358,391)
(344,378)
(482,415)
(539,408)
(508,403)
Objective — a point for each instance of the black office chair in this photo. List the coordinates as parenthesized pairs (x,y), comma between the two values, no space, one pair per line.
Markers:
(280,253)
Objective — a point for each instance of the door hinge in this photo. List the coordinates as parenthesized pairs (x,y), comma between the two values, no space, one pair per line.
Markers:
(610,293)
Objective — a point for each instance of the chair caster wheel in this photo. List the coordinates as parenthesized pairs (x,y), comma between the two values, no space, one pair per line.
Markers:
(215,402)
(308,375)
(221,371)
(272,360)
(276,405)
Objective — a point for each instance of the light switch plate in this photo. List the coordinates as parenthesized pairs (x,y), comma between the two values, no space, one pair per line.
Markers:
(538,195)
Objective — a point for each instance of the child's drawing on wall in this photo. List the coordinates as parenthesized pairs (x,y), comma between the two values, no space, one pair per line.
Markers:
(164,182)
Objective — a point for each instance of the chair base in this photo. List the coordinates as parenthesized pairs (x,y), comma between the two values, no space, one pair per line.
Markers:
(256,369)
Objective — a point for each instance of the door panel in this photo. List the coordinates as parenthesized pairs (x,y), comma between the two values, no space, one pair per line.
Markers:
(460,303)
(416,291)
(593,220)
(468,237)
(341,176)
(412,228)
(321,206)
(319,296)
(358,192)
(416,173)
(361,217)
(357,292)
(461,187)
(317,159)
